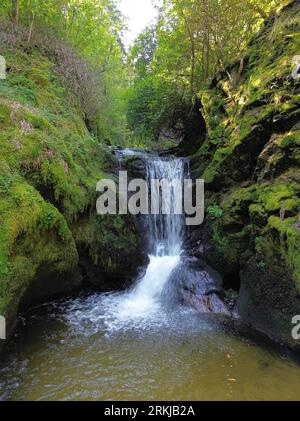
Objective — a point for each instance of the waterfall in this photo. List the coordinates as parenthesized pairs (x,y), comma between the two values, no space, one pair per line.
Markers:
(165,232)
(146,304)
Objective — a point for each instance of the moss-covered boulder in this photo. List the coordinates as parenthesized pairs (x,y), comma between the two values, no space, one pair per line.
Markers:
(109,249)
(250,163)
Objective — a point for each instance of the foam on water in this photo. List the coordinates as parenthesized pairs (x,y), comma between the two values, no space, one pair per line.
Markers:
(140,307)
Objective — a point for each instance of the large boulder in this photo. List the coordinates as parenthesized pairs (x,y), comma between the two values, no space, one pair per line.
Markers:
(199,286)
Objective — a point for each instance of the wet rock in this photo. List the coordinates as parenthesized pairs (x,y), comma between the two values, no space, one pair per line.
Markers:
(206,303)
(133,161)
(193,262)
(268,300)
(47,286)
(135,166)
(198,288)
(194,131)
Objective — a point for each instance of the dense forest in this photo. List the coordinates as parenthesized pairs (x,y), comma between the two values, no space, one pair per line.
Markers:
(209,85)
(130,96)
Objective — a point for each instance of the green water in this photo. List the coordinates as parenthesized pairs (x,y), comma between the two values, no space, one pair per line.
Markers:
(80,350)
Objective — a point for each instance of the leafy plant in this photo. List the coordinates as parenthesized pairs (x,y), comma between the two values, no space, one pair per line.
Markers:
(214,211)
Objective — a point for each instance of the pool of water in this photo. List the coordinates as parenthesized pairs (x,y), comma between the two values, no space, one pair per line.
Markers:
(90,348)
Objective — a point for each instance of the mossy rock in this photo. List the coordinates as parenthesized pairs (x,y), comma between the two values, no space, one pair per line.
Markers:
(34,234)
(112,245)
(250,162)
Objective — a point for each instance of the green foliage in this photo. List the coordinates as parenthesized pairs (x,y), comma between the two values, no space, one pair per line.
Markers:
(151,105)
(46,155)
(214,211)
(259,245)
(93,68)
(172,60)
(219,239)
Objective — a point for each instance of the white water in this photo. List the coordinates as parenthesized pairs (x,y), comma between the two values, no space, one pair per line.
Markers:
(166,231)
(143,304)
(165,238)
(146,296)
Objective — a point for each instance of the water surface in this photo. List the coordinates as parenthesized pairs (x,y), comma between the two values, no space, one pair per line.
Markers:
(85,349)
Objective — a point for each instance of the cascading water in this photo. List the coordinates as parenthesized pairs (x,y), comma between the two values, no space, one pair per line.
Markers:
(165,233)
(146,304)
(166,230)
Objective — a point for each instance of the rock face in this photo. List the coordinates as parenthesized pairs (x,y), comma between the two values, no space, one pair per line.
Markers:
(109,249)
(194,131)
(250,162)
(198,286)
(51,240)
(268,300)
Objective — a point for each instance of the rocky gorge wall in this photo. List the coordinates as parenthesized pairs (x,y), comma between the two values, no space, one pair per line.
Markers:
(51,241)
(250,163)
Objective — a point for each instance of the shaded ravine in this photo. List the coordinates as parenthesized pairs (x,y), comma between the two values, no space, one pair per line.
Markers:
(142,343)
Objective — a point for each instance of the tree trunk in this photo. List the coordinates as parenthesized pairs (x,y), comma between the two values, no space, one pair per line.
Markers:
(207,39)
(193,53)
(30,29)
(15,12)
(207,53)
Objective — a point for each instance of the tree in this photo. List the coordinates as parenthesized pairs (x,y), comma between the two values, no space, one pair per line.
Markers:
(15,12)
(190,41)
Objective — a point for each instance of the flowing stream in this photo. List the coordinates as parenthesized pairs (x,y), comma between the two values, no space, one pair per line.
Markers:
(141,343)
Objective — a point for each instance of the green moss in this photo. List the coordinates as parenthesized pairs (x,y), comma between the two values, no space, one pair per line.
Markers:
(239,199)
(44,138)
(33,233)
(49,167)
(258,214)
(291,141)
(289,240)
(112,243)
(277,196)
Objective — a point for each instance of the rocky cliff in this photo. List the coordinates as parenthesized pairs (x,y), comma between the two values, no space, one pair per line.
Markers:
(250,163)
